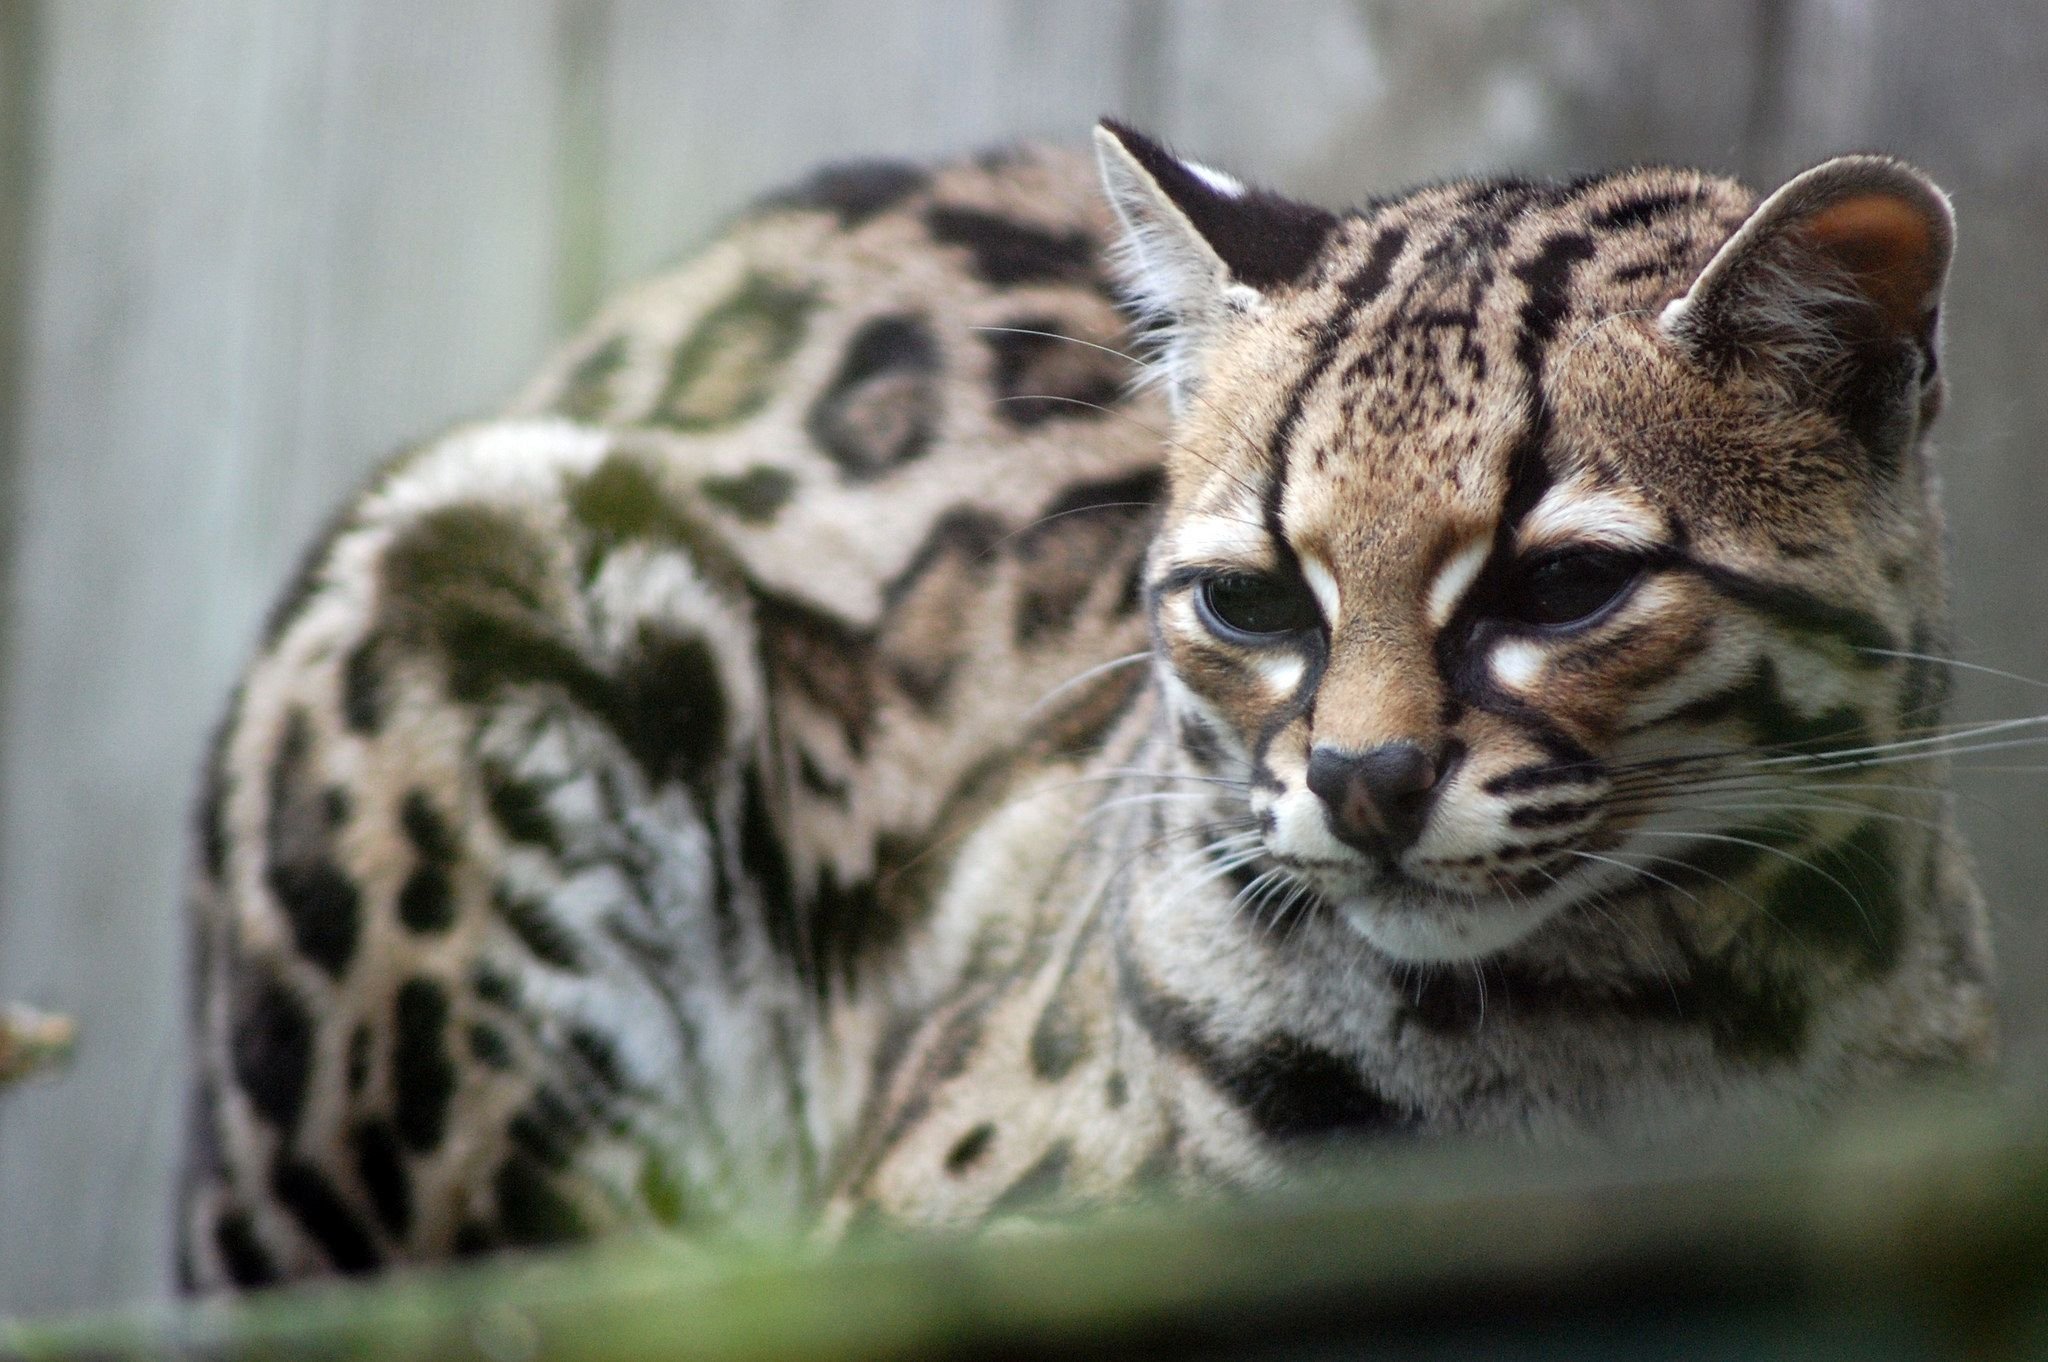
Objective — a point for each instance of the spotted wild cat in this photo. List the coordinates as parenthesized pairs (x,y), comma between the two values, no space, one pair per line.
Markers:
(840,749)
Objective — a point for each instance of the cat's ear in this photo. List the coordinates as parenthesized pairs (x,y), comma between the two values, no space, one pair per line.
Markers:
(1834,286)
(1199,247)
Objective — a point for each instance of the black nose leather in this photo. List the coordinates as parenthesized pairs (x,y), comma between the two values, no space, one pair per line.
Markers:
(1376,800)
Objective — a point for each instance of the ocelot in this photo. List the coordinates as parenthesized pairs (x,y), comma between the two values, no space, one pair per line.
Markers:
(1002,684)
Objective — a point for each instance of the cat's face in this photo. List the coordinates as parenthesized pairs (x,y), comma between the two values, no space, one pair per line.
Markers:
(1534,539)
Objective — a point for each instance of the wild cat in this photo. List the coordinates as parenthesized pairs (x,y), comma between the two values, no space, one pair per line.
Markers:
(840,748)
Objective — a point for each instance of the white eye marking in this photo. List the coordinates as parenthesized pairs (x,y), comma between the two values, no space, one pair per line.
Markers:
(1281,673)
(1454,579)
(1323,583)
(1517,664)
(1218,538)
(1567,516)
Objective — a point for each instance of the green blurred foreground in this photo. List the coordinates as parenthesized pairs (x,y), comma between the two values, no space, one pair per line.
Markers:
(1918,1232)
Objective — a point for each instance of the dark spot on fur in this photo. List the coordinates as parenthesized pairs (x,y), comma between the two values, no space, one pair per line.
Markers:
(946,1060)
(492,985)
(671,708)
(1089,532)
(422,1075)
(813,777)
(881,408)
(248,1264)
(326,1218)
(1086,715)
(587,392)
(426,830)
(319,900)
(488,1046)
(1642,210)
(362,686)
(1043,373)
(826,661)
(426,902)
(473,585)
(727,368)
(968,1149)
(1199,743)
(855,191)
(476,557)
(1801,611)
(1039,1184)
(1007,253)
(1845,897)
(619,502)
(1752,1019)
(766,863)
(381,1166)
(537,930)
(474,1239)
(1059,1041)
(272,1050)
(1749,1017)
(1759,702)
(359,1057)
(549,1128)
(926,602)
(1288,1088)
(520,809)
(598,1063)
(1116,1089)
(532,1211)
(848,922)
(754,496)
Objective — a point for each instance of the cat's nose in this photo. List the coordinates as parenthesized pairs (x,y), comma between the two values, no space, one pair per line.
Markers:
(1376,800)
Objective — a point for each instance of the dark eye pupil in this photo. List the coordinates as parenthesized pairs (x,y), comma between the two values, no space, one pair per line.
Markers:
(1572,586)
(1252,603)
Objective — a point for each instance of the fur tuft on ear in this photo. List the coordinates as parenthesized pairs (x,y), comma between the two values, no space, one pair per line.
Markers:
(1833,285)
(1198,245)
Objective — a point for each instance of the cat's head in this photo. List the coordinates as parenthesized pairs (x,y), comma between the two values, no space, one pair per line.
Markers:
(1527,538)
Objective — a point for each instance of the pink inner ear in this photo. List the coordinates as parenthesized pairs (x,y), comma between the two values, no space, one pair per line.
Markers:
(1887,246)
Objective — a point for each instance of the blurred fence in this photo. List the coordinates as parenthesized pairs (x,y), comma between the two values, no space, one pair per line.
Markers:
(248,247)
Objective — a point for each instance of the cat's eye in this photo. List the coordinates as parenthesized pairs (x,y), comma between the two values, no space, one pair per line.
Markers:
(1570,587)
(1256,607)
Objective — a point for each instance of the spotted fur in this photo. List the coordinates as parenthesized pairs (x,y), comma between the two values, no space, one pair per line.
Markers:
(844,749)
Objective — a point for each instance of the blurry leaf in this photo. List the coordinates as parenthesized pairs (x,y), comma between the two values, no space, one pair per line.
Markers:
(32,1042)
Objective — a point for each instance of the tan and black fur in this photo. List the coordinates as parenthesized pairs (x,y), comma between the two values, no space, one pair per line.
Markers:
(843,750)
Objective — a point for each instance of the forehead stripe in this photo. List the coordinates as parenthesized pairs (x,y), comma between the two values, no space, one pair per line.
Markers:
(1358,291)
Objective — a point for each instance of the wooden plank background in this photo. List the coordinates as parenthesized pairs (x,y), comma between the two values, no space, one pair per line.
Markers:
(249,247)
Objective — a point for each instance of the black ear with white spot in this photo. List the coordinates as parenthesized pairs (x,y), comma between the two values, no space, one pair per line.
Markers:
(1199,247)
(1833,286)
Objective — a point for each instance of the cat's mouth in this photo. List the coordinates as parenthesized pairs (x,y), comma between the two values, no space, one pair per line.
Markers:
(1412,919)
(1426,926)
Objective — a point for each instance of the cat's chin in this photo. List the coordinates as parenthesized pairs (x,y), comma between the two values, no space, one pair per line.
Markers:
(1426,930)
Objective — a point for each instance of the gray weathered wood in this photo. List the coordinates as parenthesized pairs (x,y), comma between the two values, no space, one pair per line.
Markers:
(268,242)
(709,103)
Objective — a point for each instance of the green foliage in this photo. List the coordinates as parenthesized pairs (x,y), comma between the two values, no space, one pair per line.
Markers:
(1912,1232)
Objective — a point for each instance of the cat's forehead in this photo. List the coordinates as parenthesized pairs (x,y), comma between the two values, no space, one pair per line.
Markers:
(1437,342)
